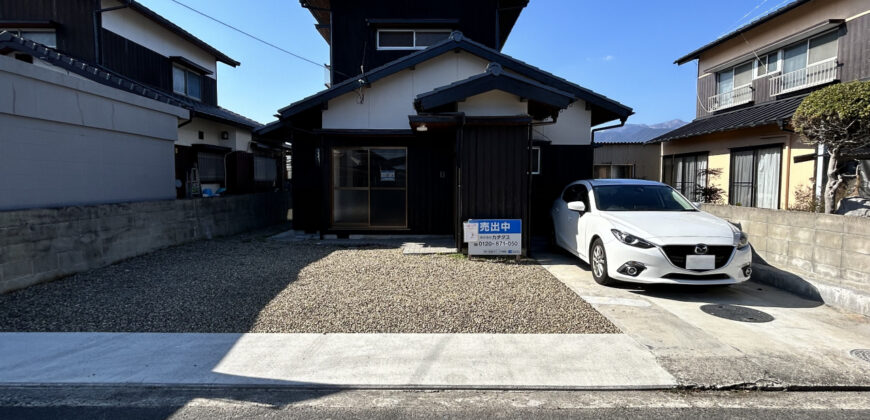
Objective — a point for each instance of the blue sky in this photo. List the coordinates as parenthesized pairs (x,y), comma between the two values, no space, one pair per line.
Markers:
(623,49)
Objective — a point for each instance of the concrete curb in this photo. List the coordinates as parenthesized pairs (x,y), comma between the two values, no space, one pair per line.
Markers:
(807,287)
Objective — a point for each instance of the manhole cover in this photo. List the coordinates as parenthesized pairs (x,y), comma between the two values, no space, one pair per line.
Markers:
(863,354)
(737,313)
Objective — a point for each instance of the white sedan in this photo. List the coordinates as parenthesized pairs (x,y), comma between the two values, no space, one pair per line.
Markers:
(647,232)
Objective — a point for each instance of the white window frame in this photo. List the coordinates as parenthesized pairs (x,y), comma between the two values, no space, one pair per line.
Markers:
(414,36)
(187,70)
(734,87)
(538,148)
(755,65)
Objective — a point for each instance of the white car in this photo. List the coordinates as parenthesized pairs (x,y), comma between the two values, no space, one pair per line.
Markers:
(646,232)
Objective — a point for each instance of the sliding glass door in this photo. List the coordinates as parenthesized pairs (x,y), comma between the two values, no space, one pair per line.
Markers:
(369,187)
(755,177)
(686,173)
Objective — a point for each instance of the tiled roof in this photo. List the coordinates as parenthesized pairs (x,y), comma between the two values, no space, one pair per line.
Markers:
(754,116)
(610,108)
(115,80)
(642,135)
(753,23)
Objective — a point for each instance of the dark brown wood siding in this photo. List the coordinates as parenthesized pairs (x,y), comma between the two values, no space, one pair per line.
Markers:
(145,66)
(494,174)
(854,50)
(354,40)
(706,88)
(75,33)
(560,165)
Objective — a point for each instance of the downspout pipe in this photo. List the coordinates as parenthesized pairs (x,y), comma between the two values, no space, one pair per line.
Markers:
(98,55)
(594,130)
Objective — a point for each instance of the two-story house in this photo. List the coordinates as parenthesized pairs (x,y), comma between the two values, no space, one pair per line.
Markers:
(427,123)
(110,41)
(750,82)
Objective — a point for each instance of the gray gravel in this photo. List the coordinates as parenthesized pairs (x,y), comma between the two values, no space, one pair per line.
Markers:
(249,284)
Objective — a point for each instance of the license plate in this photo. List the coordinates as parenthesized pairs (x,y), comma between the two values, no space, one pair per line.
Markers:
(700,262)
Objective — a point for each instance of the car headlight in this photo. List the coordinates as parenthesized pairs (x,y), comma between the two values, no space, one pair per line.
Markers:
(630,239)
(740,240)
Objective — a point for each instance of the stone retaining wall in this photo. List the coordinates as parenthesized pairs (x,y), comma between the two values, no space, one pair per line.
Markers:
(46,244)
(822,254)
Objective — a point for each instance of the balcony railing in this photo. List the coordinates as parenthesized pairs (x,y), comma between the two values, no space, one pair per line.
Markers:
(813,75)
(731,98)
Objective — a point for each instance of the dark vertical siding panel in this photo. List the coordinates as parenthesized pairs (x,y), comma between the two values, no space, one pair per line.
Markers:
(762,90)
(854,50)
(706,88)
(135,61)
(75,35)
(494,162)
(560,165)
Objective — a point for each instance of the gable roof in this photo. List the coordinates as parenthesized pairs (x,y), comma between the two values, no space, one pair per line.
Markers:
(752,24)
(494,78)
(766,113)
(607,108)
(9,41)
(167,24)
(508,13)
(642,135)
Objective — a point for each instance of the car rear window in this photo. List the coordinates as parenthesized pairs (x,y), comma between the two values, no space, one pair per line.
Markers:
(639,198)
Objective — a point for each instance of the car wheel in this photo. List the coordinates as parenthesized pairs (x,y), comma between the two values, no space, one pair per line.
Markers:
(598,263)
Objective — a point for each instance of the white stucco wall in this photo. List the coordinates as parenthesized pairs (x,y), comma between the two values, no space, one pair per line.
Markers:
(239,139)
(69,141)
(574,126)
(494,103)
(143,31)
(389,101)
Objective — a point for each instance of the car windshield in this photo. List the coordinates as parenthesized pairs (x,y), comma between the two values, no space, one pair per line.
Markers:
(640,198)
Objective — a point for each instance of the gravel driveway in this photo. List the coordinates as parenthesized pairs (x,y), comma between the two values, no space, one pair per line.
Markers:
(248,284)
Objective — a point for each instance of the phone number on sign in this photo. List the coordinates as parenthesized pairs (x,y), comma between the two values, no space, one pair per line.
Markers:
(498,243)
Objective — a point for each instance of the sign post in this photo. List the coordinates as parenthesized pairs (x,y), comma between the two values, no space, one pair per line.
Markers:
(494,236)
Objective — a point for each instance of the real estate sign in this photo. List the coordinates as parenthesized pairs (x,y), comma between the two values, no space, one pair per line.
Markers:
(494,236)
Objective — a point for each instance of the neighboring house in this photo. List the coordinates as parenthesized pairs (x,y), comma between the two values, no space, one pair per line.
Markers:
(750,82)
(124,41)
(439,126)
(622,152)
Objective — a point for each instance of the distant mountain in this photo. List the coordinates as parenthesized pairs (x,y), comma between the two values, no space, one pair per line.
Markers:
(636,133)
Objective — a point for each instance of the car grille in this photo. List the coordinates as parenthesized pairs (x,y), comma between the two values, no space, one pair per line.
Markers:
(677,254)
(681,276)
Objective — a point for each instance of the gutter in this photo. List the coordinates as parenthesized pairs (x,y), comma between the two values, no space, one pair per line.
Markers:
(594,130)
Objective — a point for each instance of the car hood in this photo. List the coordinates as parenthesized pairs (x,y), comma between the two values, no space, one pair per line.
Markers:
(673,227)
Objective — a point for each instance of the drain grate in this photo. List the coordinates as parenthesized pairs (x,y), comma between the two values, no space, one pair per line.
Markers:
(863,354)
(737,313)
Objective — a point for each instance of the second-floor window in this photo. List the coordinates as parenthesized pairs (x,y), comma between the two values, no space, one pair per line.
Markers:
(733,87)
(767,64)
(410,39)
(808,63)
(186,82)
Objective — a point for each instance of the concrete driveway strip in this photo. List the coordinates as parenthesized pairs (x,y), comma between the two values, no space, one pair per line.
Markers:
(748,334)
(471,361)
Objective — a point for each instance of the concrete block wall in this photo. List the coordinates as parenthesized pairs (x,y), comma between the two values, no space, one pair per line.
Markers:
(46,244)
(826,255)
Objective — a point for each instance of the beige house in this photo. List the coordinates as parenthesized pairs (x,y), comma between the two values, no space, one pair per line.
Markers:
(750,82)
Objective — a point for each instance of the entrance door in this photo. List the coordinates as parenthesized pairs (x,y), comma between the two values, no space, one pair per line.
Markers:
(369,187)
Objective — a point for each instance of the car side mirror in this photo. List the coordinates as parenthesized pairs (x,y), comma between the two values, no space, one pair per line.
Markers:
(577,206)
(697,204)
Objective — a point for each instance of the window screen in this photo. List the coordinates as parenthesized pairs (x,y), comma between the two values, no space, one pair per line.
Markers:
(265,169)
(396,39)
(823,47)
(211,167)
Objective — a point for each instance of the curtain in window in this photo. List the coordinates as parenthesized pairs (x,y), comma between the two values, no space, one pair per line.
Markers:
(742,170)
(767,188)
(678,174)
(823,47)
(794,58)
(700,177)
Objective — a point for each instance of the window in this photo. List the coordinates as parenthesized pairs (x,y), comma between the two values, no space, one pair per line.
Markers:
(369,187)
(536,160)
(41,36)
(808,63)
(755,175)
(410,39)
(186,82)
(265,169)
(734,78)
(613,171)
(210,166)
(767,64)
(686,173)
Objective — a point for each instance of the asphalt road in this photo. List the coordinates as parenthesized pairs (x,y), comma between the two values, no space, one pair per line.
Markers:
(222,403)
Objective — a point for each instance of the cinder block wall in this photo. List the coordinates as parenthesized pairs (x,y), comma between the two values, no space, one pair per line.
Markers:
(46,244)
(829,253)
